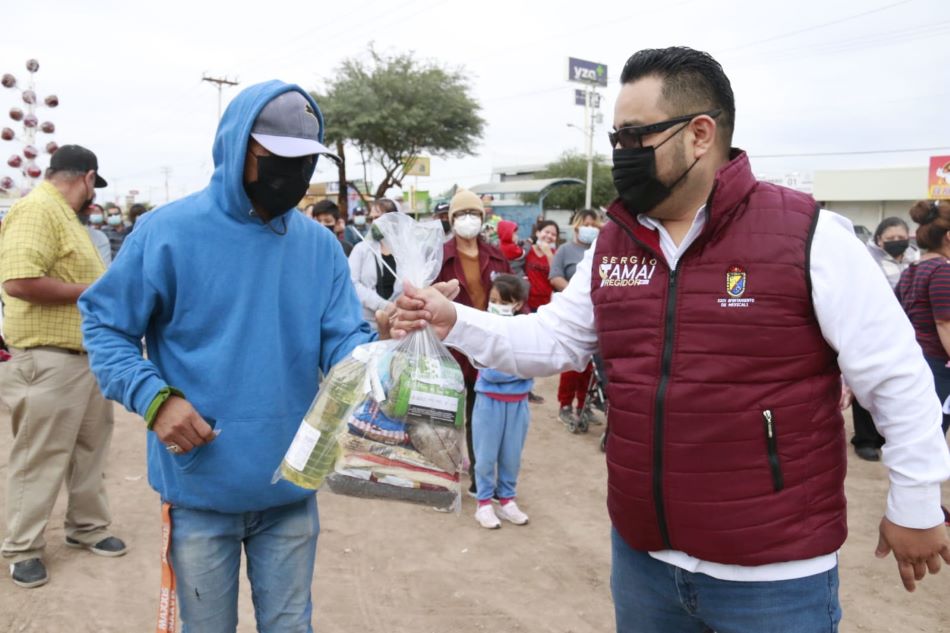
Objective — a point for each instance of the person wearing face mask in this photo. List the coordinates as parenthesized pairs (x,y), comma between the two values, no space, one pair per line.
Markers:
(441,213)
(573,384)
(891,249)
(727,310)
(327,213)
(472,261)
(357,230)
(94,218)
(115,228)
(196,279)
(500,421)
(924,292)
(537,265)
(373,268)
(62,424)
(539,254)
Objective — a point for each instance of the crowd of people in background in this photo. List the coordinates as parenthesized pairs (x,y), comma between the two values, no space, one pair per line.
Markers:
(81,290)
(545,261)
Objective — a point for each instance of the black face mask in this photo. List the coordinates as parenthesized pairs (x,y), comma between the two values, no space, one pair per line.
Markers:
(446,226)
(281,183)
(895,248)
(635,178)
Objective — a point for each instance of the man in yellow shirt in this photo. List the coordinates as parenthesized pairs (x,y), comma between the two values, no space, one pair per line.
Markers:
(62,425)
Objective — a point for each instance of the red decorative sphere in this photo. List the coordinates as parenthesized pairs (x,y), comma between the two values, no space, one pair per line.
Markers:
(48,127)
(52,101)
(6,183)
(15,161)
(31,152)
(29,96)
(8,80)
(33,171)
(30,120)
(51,147)
(7,134)
(32,65)
(16,114)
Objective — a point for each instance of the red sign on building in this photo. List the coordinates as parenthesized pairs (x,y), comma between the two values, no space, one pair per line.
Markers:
(938,186)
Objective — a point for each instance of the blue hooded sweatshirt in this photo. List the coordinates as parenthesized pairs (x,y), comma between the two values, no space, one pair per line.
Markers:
(494,381)
(238,317)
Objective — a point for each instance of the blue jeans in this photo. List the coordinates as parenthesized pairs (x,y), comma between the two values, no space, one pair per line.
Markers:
(281,545)
(499,430)
(651,596)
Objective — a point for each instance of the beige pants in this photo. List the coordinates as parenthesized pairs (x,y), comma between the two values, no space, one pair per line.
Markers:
(61,431)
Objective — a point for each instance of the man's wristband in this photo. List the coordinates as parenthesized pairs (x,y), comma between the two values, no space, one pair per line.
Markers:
(163,394)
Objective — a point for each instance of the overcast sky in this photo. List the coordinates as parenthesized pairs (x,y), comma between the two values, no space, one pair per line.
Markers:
(810,76)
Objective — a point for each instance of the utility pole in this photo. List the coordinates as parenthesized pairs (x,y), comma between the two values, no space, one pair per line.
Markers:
(166,171)
(220,82)
(589,132)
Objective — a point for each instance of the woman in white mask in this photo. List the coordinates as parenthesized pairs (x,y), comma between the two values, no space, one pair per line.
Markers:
(474,263)
(573,385)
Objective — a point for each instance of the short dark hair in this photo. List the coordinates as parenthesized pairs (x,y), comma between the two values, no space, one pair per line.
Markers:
(510,288)
(325,206)
(887,223)
(385,205)
(692,82)
(543,224)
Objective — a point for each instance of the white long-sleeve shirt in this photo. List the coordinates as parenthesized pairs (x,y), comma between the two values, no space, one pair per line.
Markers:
(860,319)
(364,261)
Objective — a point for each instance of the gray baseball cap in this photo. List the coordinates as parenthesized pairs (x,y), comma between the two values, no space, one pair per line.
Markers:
(288,126)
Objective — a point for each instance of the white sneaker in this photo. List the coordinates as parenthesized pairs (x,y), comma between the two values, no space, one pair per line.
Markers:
(511,512)
(486,517)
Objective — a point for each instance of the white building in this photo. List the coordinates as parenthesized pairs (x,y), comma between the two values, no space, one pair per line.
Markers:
(867,196)
(864,196)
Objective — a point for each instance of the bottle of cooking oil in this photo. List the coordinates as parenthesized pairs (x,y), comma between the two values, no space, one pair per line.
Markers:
(315,448)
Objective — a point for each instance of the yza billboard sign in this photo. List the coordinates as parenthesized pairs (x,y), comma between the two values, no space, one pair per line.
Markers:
(585,72)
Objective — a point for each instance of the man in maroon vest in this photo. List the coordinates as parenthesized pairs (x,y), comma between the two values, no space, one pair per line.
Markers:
(726,310)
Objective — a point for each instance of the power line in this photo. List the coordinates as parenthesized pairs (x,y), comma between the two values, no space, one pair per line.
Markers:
(495,51)
(813,27)
(853,153)
(875,40)
(517,95)
(323,41)
(220,82)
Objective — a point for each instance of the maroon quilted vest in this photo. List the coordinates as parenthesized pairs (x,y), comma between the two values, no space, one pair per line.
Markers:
(725,437)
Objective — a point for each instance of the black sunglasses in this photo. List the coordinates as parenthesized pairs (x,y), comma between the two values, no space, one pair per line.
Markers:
(631,136)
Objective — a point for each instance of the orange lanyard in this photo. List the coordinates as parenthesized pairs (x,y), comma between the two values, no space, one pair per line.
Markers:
(167,601)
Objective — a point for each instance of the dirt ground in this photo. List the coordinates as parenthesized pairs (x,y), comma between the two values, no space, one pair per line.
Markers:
(384,566)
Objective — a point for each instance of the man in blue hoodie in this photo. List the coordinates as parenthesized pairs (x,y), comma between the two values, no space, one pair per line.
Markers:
(242,305)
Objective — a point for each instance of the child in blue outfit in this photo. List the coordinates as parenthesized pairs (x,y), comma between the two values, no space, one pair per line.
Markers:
(500,422)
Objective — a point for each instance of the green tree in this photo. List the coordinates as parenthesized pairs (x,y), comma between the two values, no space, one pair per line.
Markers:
(574,165)
(395,107)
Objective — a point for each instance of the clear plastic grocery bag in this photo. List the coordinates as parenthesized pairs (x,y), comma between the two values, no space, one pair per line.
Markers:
(388,421)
